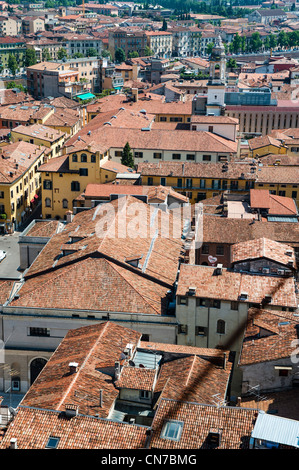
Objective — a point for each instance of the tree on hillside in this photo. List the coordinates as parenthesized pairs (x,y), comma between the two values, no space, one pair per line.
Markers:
(127,158)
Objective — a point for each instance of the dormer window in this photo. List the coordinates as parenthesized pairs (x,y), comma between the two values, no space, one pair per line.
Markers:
(172,430)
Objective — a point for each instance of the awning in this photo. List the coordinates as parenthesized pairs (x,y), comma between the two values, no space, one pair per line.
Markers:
(85,96)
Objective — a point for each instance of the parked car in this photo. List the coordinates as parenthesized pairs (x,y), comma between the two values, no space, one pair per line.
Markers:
(2,255)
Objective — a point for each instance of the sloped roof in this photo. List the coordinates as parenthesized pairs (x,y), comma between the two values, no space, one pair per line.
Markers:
(262,248)
(235,425)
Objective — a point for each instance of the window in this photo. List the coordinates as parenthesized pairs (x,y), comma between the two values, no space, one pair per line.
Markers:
(157,155)
(150,181)
(83,172)
(281,193)
(190,156)
(182,329)
(33,331)
(220,250)
(47,184)
(52,442)
(65,203)
(138,154)
(118,153)
(206,158)
(48,202)
(1,194)
(15,384)
(74,157)
(205,249)
(75,186)
(200,302)
(183,300)
(216,303)
(93,158)
(234,185)
(172,430)
(176,156)
(234,306)
(144,394)
(294,194)
(221,327)
(83,157)
(163,181)
(200,331)
(180,183)
(189,182)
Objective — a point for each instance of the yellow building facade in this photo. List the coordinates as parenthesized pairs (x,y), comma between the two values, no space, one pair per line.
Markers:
(20,189)
(41,135)
(64,179)
(199,181)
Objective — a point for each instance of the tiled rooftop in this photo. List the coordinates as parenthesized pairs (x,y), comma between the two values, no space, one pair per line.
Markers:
(33,427)
(16,158)
(262,248)
(235,425)
(228,230)
(196,170)
(276,345)
(230,285)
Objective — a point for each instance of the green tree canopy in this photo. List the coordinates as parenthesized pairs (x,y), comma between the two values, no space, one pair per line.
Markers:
(148,52)
(92,52)
(127,158)
(61,54)
(12,64)
(46,55)
(30,57)
(119,55)
(209,48)
(133,54)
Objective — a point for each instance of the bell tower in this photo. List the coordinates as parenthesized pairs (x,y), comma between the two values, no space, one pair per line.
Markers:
(217,80)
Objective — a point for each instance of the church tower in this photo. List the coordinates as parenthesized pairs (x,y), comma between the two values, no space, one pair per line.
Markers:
(217,80)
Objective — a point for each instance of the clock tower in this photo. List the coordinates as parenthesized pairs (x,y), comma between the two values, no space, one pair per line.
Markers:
(217,81)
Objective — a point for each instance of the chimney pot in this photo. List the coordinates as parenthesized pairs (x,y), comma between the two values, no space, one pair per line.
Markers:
(73,367)
(13,443)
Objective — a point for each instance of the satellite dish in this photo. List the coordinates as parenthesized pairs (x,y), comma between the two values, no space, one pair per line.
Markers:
(132,363)
(12,411)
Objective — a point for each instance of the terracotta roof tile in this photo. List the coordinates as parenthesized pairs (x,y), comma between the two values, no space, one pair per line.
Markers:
(258,348)
(33,427)
(229,286)
(263,248)
(235,425)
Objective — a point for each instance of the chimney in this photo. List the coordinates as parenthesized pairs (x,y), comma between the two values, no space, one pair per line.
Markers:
(13,443)
(101,398)
(239,402)
(69,217)
(73,367)
(135,94)
(224,360)
(71,410)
